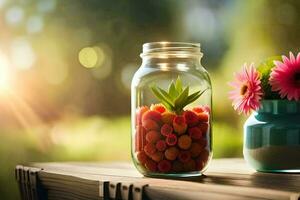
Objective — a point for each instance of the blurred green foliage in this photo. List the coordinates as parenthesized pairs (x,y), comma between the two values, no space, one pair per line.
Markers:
(265,69)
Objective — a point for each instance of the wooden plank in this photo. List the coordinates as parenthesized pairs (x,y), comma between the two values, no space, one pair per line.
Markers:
(33,182)
(26,183)
(225,178)
(233,172)
(126,191)
(19,178)
(171,185)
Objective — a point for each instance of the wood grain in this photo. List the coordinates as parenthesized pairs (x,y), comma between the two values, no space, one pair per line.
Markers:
(224,179)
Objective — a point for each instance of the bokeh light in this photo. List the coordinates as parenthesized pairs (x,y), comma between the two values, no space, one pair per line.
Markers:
(45,6)
(104,63)
(88,57)
(200,21)
(2,3)
(91,57)
(14,15)
(22,54)
(100,55)
(35,24)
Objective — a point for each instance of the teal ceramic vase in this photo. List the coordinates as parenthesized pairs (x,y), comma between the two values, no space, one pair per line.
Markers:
(272,137)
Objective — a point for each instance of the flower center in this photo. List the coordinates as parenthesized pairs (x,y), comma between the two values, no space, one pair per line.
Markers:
(244,89)
(297,78)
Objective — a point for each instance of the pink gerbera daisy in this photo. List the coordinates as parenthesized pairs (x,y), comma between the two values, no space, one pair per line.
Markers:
(285,77)
(247,91)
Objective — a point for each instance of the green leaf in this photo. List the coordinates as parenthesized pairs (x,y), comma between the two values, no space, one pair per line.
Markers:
(162,98)
(194,94)
(168,106)
(166,95)
(175,98)
(179,101)
(193,97)
(203,91)
(178,85)
(172,90)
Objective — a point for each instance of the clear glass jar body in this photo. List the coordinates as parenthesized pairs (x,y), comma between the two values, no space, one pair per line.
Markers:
(168,142)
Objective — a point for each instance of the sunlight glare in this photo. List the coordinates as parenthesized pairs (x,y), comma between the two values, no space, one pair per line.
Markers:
(22,54)
(4,73)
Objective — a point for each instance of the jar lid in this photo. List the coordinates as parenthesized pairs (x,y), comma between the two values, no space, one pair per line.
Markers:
(169,49)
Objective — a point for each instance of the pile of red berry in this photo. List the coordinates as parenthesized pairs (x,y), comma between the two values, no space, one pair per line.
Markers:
(170,143)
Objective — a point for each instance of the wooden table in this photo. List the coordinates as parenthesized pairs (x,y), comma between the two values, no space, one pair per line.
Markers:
(224,179)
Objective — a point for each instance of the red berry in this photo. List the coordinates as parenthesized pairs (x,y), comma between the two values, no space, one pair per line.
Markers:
(195,133)
(171,139)
(140,138)
(158,156)
(149,149)
(189,166)
(202,159)
(204,155)
(139,114)
(198,109)
(184,156)
(166,129)
(161,145)
(167,118)
(158,107)
(202,142)
(199,164)
(184,142)
(164,166)
(191,118)
(203,127)
(151,165)
(203,117)
(195,149)
(150,124)
(171,153)
(179,120)
(151,114)
(152,136)
(142,157)
(207,109)
(177,166)
(179,125)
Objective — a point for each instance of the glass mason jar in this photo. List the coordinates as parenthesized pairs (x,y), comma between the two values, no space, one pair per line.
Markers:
(171,98)
(272,137)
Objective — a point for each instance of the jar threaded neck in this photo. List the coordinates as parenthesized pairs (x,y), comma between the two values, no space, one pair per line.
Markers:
(171,49)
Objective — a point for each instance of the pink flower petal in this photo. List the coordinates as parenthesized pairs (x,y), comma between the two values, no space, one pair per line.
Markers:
(292,57)
(282,77)
(250,99)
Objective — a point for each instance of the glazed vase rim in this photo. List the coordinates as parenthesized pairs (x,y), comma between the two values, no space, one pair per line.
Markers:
(279,100)
(279,106)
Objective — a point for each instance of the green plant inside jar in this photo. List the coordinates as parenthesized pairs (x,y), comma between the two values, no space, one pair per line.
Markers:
(176,98)
(169,138)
